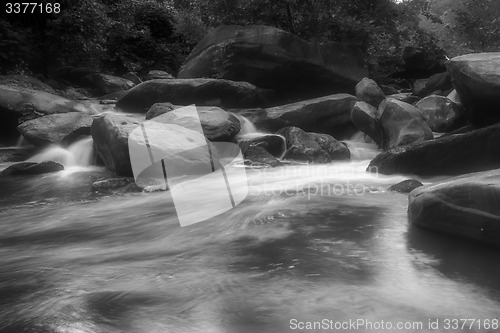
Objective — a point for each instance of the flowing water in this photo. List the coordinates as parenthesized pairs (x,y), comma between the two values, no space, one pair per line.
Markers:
(310,242)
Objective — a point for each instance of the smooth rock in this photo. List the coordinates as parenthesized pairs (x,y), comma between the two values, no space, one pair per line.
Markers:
(402,124)
(159,75)
(202,92)
(478,150)
(302,146)
(31,168)
(466,207)
(274,144)
(26,82)
(476,78)
(441,114)
(103,84)
(275,59)
(368,91)
(335,149)
(62,128)
(364,117)
(258,156)
(405,186)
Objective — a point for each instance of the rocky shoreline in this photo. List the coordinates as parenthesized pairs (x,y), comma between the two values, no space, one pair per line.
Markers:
(446,125)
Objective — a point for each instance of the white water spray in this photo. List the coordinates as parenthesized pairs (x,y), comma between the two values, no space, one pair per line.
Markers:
(78,154)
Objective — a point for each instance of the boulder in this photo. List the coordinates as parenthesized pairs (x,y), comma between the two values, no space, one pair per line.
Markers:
(113,133)
(302,147)
(437,82)
(158,75)
(26,82)
(275,59)
(329,114)
(158,109)
(335,149)
(388,90)
(75,94)
(110,134)
(274,144)
(364,117)
(476,77)
(60,128)
(217,124)
(202,92)
(405,186)
(441,114)
(368,91)
(466,207)
(131,76)
(258,156)
(478,150)
(32,168)
(402,124)
(103,84)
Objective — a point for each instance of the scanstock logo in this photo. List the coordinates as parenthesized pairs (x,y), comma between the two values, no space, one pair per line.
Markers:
(205,178)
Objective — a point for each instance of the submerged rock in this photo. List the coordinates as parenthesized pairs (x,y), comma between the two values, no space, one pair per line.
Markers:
(405,186)
(126,183)
(449,155)
(202,92)
(467,207)
(32,168)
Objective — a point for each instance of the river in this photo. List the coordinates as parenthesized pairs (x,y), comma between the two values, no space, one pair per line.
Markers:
(310,242)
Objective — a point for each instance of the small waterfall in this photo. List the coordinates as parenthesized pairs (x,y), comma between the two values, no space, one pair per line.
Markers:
(78,154)
(360,148)
(247,127)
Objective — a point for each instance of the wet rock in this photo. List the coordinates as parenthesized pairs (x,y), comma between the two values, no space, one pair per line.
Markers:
(476,78)
(402,124)
(437,82)
(103,84)
(364,117)
(131,76)
(302,147)
(441,114)
(368,91)
(159,75)
(62,128)
(158,109)
(202,92)
(466,207)
(478,150)
(275,59)
(126,184)
(26,82)
(329,114)
(405,186)
(274,144)
(388,90)
(31,168)
(335,149)
(258,156)
(406,98)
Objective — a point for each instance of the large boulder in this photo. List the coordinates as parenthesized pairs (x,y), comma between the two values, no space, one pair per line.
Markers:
(275,59)
(441,114)
(202,92)
(402,124)
(26,82)
(157,75)
(368,91)
(365,118)
(302,146)
(32,168)
(103,84)
(467,207)
(258,156)
(440,82)
(478,150)
(274,144)
(217,124)
(113,133)
(60,128)
(335,149)
(110,134)
(329,114)
(476,77)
